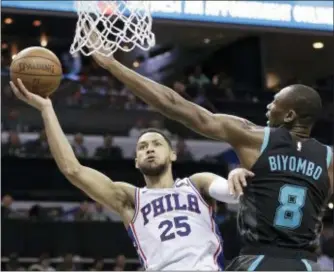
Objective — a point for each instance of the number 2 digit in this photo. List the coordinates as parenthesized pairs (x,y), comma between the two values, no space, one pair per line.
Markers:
(165,235)
(289,214)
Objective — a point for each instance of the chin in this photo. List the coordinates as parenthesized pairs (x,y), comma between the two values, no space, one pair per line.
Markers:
(153,171)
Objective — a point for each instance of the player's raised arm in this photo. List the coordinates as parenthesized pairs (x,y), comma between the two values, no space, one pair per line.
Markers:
(234,130)
(98,186)
(219,188)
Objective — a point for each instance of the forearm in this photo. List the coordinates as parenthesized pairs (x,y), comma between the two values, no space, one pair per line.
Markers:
(219,190)
(214,186)
(60,147)
(164,99)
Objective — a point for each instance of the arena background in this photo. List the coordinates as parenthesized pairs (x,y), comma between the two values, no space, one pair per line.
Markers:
(227,56)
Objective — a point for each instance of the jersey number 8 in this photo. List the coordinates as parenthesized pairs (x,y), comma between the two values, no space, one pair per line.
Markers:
(289,214)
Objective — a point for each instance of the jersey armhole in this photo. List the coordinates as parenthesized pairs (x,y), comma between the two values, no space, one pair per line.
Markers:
(329,155)
(265,139)
(137,199)
(193,186)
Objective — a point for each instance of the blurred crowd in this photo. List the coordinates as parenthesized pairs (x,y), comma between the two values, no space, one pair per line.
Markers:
(39,148)
(69,262)
(84,211)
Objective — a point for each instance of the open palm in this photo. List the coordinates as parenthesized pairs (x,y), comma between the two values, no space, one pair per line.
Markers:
(28,97)
(95,41)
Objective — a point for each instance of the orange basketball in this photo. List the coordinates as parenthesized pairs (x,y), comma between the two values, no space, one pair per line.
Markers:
(38,68)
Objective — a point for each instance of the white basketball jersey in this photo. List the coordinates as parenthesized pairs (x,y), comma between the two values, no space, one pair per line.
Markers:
(174,229)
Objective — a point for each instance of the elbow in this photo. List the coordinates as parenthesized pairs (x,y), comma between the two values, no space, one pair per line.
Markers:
(71,170)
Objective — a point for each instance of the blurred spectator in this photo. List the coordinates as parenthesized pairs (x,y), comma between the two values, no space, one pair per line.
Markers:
(55,214)
(98,265)
(182,151)
(120,263)
(83,213)
(114,103)
(13,263)
(180,88)
(158,124)
(99,213)
(38,147)
(132,103)
(108,150)
(36,213)
(198,78)
(137,129)
(6,206)
(67,264)
(13,146)
(42,265)
(76,98)
(13,122)
(224,84)
(79,147)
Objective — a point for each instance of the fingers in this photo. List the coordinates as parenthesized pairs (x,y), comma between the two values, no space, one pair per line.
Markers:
(249,173)
(231,186)
(237,186)
(243,181)
(17,92)
(23,89)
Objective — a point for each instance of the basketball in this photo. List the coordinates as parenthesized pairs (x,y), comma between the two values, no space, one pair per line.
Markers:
(38,68)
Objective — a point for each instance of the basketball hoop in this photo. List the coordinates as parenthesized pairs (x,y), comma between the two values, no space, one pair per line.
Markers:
(114,25)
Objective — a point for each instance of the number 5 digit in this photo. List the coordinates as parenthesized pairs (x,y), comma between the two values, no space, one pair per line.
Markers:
(180,223)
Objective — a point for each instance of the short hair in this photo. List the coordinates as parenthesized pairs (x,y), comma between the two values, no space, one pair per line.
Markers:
(306,103)
(155,130)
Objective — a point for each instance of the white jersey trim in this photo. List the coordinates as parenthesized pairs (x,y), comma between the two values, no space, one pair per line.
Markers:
(137,205)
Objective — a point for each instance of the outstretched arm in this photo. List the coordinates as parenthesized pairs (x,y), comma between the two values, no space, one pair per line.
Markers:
(234,130)
(96,185)
(221,189)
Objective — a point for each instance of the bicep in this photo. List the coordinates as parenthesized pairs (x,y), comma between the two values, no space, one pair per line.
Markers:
(102,189)
(232,129)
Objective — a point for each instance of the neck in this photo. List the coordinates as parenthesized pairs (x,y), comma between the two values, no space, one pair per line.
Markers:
(300,131)
(163,181)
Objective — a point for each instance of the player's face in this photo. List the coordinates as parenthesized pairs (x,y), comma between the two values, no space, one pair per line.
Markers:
(153,154)
(279,110)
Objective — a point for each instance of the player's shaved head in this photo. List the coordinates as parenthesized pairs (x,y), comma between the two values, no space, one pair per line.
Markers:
(295,104)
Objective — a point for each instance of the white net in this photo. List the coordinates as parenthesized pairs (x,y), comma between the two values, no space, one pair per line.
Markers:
(106,26)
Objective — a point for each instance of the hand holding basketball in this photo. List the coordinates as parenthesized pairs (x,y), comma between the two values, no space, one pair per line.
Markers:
(28,97)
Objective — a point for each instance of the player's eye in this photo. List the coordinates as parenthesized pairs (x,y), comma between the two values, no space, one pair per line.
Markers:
(141,147)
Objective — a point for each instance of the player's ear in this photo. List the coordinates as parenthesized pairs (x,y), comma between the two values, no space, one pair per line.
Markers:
(290,116)
(173,156)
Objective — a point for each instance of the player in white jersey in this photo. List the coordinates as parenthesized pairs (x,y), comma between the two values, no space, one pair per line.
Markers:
(170,222)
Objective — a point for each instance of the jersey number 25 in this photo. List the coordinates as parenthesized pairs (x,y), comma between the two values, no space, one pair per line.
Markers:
(178,226)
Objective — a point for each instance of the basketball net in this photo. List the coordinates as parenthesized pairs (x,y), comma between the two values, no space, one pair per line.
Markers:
(106,26)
